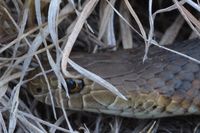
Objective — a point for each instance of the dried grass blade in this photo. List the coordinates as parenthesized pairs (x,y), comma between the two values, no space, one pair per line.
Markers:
(72,38)
(141,27)
(42,121)
(2,124)
(96,78)
(176,52)
(57,123)
(126,34)
(194,5)
(3,90)
(29,126)
(192,18)
(53,20)
(171,33)
(105,19)
(181,9)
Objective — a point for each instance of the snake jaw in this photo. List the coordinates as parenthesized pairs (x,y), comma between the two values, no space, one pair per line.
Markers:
(139,104)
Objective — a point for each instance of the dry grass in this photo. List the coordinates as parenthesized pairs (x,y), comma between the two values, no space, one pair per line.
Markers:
(30,29)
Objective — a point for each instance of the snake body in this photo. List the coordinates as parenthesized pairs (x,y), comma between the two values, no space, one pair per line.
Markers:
(166,84)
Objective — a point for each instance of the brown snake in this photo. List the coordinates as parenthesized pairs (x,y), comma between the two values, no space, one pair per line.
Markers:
(164,85)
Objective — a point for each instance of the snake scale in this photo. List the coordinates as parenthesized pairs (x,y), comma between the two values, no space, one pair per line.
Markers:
(166,84)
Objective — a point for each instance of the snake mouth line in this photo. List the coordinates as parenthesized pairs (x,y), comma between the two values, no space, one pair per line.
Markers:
(138,111)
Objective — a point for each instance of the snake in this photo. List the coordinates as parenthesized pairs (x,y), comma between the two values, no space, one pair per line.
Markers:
(164,85)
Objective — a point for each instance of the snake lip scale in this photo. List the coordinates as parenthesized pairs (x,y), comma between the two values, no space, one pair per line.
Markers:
(164,85)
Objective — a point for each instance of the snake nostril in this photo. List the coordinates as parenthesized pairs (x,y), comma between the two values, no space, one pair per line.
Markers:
(154,107)
(38,90)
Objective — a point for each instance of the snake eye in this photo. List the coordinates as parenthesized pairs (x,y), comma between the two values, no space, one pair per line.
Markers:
(74,86)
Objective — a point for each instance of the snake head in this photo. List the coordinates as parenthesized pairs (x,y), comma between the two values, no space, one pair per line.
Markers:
(39,85)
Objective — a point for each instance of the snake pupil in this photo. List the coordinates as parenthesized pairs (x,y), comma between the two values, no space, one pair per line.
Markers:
(71,84)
